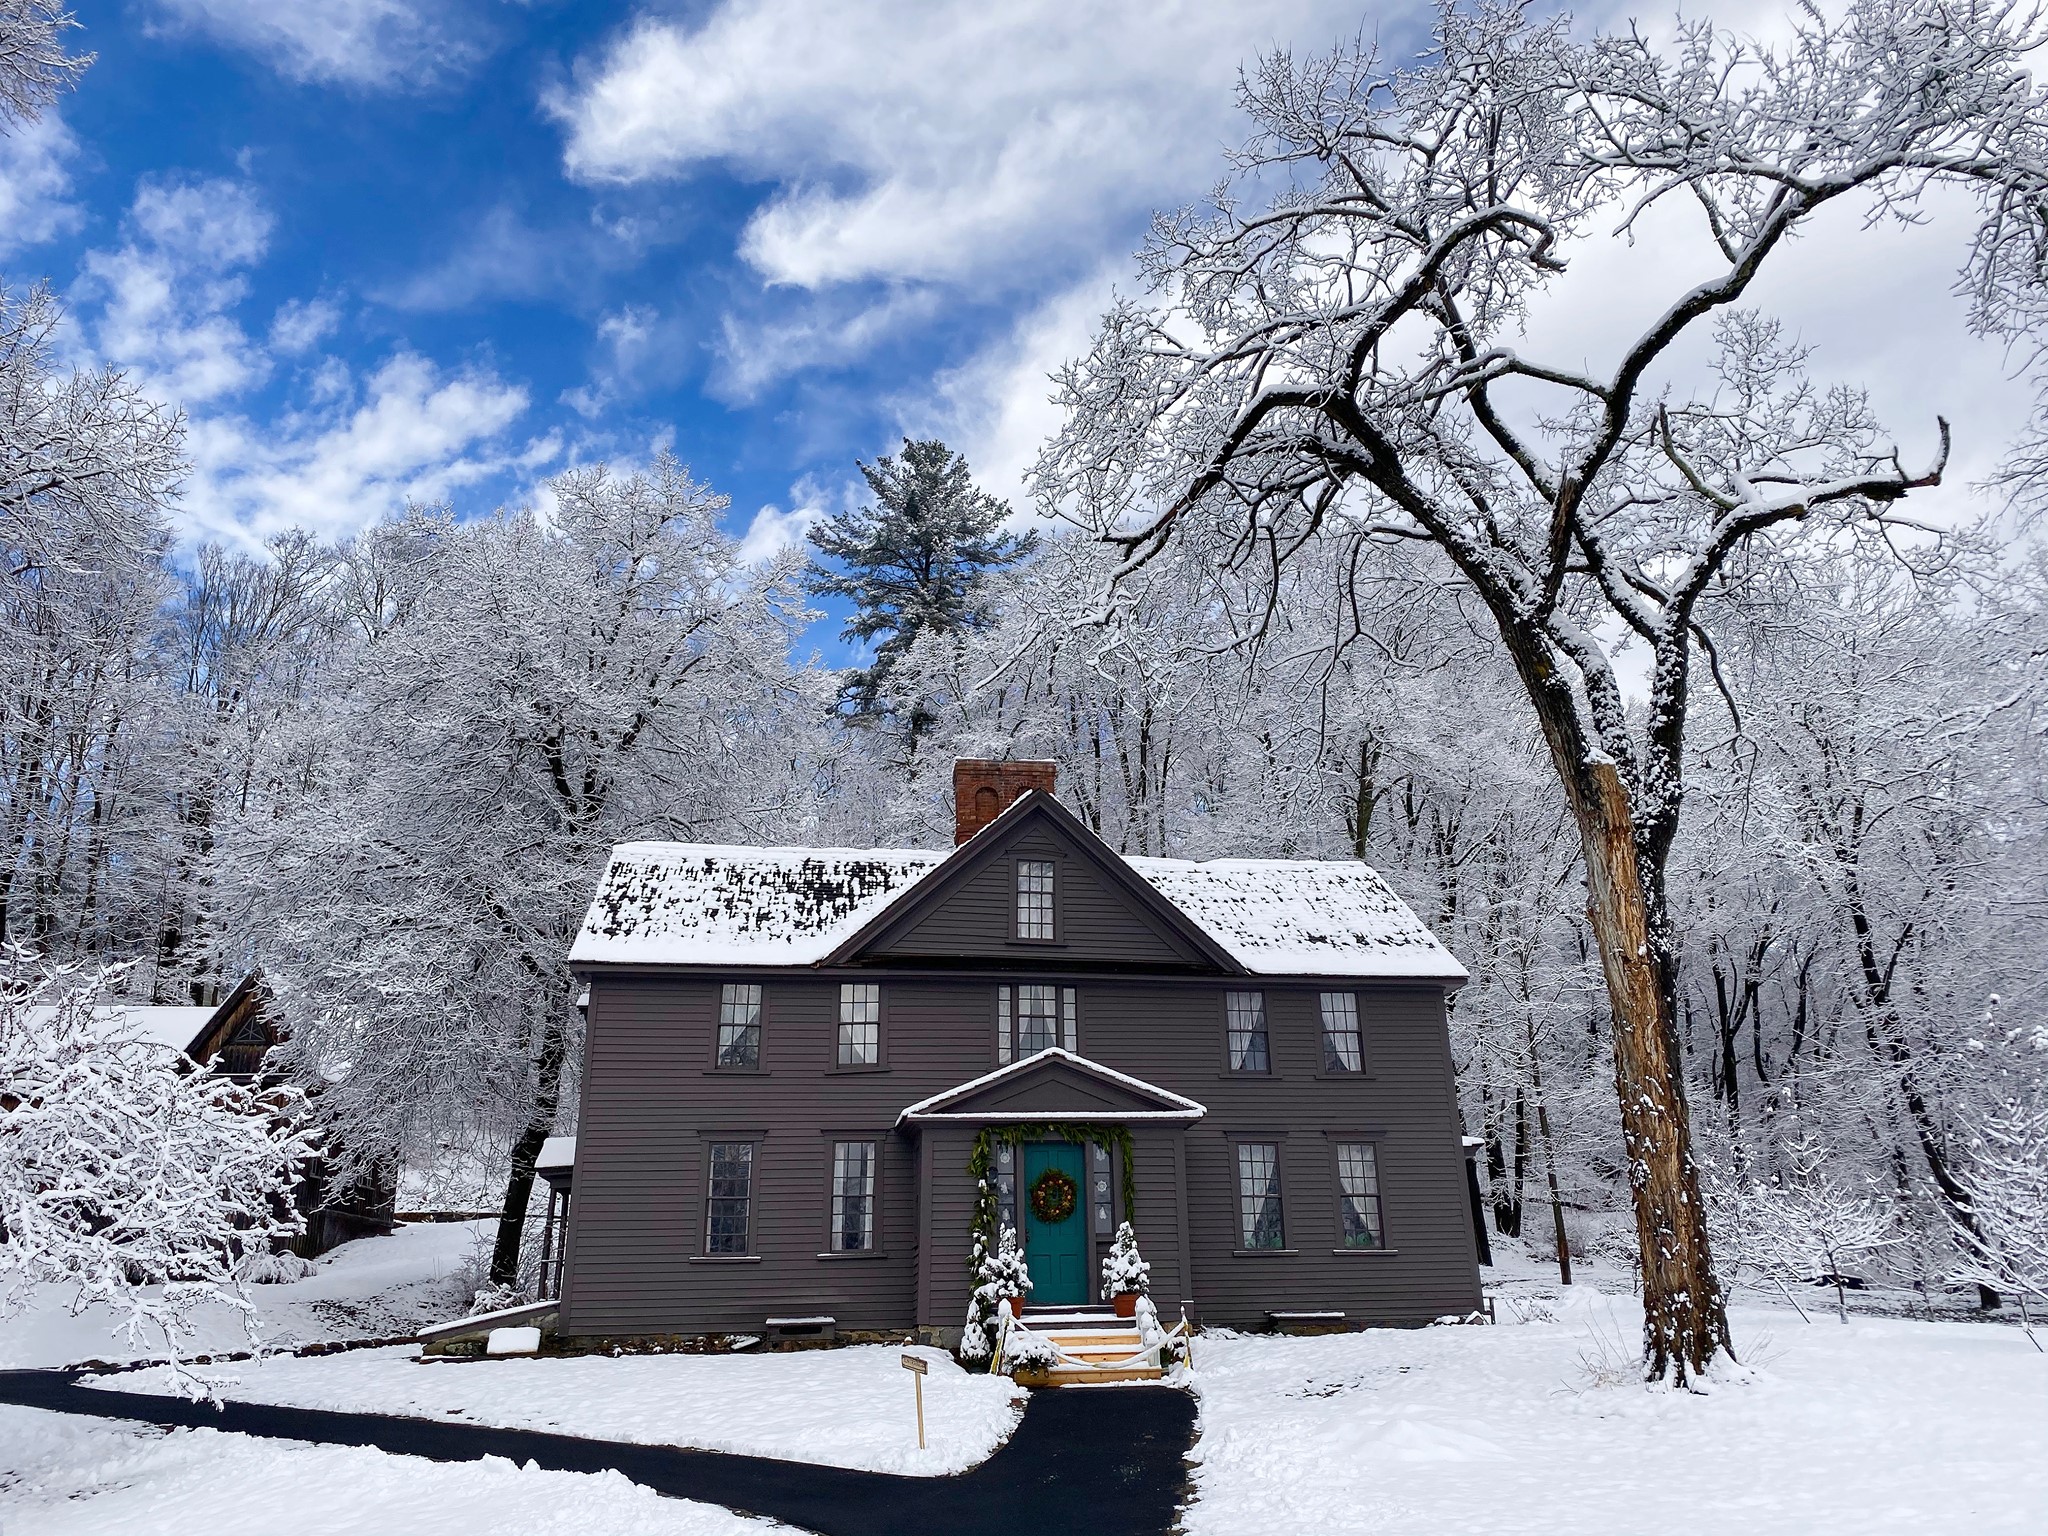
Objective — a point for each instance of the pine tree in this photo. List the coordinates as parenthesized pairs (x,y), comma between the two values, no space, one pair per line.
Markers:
(911,563)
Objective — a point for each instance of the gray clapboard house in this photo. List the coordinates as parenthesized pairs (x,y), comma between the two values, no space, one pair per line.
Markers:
(803,1065)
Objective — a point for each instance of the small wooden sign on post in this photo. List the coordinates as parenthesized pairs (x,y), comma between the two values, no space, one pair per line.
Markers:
(918,1368)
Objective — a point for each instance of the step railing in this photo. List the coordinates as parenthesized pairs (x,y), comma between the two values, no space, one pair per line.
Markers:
(1155,1351)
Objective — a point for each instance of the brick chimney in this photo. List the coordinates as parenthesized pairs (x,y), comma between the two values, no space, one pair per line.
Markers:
(983,790)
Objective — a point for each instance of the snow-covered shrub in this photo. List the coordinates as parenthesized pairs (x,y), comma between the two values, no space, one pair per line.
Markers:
(2007,1181)
(126,1176)
(497,1298)
(1124,1271)
(280,1268)
(1024,1350)
(998,1276)
(1803,1223)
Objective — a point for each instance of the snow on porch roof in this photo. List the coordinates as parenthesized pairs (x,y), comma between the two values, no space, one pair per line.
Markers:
(1172,1106)
(708,904)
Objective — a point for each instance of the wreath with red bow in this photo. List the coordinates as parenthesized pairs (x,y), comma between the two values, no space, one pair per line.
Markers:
(1053,1197)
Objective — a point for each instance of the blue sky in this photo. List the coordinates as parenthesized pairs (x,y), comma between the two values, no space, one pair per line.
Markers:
(379,249)
(443,248)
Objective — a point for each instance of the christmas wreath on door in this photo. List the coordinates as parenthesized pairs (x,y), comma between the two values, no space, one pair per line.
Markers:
(1053,1197)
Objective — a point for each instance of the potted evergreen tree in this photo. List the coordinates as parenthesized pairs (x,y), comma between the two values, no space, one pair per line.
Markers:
(1125,1276)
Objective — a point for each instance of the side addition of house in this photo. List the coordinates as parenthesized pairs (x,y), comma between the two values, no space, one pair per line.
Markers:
(802,1064)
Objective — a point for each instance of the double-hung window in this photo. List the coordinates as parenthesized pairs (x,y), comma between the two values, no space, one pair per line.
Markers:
(1258,1195)
(853,1196)
(1342,1049)
(739,1026)
(1358,1195)
(1034,899)
(1247,1021)
(860,1024)
(1033,1018)
(729,1198)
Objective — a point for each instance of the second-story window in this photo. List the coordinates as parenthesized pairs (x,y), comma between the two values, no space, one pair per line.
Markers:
(860,1024)
(739,1025)
(1247,1018)
(1034,899)
(1342,1051)
(1033,1018)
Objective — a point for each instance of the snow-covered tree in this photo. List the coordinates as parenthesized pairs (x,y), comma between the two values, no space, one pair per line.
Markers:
(999,1275)
(127,1178)
(34,68)
(911,564)
(1805,1222)
(2006,1178)
(525,692)
(1334,357)
(1124,1271)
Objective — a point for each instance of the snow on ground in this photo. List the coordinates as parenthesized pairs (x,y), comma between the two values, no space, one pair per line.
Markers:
(63,1476)
(375,1287)
(1884,1425)
(851,1407)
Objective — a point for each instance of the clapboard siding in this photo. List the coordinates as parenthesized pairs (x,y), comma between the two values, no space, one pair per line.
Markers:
(1098,924)
(651,1102)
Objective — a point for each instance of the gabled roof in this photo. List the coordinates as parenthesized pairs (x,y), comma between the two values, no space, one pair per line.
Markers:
(970,857)
(176,1027)
(716,905)
(1148,1101)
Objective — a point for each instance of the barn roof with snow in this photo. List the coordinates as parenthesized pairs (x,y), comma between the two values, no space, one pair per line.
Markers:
(700,904)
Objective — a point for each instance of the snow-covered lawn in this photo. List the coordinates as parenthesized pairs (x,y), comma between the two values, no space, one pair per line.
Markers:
(852,1407)
(1880,1426)
(376,1287)
(62,1476)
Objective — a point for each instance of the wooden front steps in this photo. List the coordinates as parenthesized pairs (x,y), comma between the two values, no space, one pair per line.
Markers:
(1100,1338)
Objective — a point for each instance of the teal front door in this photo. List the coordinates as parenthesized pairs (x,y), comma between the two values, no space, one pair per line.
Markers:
(1057,1251)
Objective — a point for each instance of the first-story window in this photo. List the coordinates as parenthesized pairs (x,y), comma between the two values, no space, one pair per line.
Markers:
(739,1025)
(1258,1194)
(860,1024)
(729,1197)
(1358,1195)
(1033,1018)
(853,1196)
(1342,1050)
(1248,1051)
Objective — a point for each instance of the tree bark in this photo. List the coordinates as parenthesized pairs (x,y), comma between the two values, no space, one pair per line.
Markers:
(1684,1313)
(539,1126)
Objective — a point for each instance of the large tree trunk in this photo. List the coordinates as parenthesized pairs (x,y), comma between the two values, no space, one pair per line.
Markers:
(539,1126)
(1684,1316)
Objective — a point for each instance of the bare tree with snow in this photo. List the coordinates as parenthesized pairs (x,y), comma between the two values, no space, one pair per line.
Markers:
(1333,357)
(127,1178)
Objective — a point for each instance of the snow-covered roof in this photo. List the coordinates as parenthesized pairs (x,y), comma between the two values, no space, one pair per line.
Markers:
(177,1028)
(556,1152)
(707,904)
(1303,917)
(1172,1106)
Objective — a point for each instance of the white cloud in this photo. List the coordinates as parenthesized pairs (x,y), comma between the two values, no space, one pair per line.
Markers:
(301,323)
(375,44)
(164,296)
(410,430)
(773,530)
(35,184)
(162,305)
(964,142)
(996,408)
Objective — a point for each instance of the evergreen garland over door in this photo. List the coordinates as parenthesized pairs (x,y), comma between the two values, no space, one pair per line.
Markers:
(1056,1251)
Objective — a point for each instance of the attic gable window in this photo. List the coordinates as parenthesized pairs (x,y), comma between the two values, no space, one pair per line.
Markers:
(739,1026)
(1034,899)
(1033,1018)
(1248,1045)
(860,1024)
